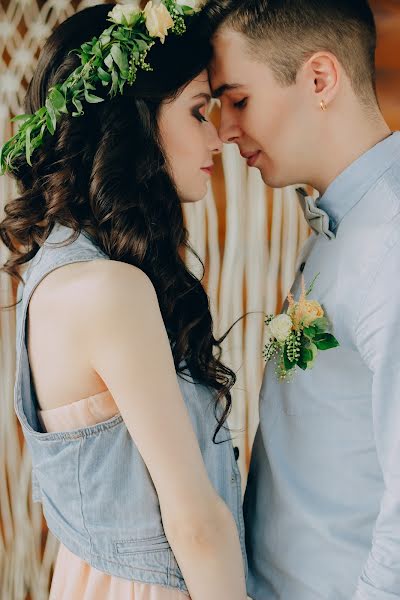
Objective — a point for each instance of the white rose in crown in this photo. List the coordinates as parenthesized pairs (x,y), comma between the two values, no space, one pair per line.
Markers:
(194,4)
(280,327)
(158,20)
(125,14)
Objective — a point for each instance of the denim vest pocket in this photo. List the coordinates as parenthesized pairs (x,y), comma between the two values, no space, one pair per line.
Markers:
(149,555)
(151,544)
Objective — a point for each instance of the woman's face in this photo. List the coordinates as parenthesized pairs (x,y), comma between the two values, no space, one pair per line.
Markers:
(189,139)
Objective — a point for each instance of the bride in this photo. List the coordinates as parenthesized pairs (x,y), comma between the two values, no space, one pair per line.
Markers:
(120,391)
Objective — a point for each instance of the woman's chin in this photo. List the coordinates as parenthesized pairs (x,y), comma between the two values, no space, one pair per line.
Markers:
(193,196)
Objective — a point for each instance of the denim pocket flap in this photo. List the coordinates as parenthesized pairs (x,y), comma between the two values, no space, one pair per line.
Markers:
(150,544)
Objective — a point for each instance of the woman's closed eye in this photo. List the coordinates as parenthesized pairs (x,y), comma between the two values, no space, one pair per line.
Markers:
(199,112)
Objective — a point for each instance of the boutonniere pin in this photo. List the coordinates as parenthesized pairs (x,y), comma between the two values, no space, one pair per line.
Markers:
(295,337)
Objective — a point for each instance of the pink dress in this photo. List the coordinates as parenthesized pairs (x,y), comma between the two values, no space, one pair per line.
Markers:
(73,578)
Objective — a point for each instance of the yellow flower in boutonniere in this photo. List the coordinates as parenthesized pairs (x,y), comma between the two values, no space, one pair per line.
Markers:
(312,311)
(304,312)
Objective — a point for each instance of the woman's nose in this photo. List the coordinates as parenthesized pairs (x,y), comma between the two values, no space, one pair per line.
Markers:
(215,142)
(228,130)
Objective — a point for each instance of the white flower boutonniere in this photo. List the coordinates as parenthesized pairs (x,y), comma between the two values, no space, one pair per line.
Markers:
(296,337)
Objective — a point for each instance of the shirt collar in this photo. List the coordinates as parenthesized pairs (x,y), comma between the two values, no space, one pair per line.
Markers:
(355,181)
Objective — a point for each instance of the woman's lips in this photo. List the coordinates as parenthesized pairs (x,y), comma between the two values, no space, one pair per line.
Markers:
(208,170)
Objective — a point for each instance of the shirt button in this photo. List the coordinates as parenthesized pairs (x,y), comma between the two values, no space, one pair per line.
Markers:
(302,267)
(236,452)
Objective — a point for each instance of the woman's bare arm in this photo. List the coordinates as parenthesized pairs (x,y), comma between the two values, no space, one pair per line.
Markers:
(129,348)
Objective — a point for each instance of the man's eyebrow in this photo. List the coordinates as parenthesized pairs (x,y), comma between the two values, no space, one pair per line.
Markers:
(225,88)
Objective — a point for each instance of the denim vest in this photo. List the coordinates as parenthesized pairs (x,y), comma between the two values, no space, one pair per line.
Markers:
(97,494)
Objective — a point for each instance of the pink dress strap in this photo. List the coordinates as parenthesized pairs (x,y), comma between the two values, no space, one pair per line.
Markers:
(73,577)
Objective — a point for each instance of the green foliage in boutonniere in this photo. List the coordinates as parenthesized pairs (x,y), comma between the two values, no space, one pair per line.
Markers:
(296,336)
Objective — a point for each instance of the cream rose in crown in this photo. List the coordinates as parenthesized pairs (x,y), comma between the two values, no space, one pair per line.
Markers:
(158,20)
(125,14)
(296,337)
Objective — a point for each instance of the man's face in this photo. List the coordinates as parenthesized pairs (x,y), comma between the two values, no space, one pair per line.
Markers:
(269,122)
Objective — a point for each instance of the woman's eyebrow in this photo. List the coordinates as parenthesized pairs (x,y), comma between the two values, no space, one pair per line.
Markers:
(202,95)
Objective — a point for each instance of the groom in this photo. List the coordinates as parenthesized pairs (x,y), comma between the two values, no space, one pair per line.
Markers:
(296,80)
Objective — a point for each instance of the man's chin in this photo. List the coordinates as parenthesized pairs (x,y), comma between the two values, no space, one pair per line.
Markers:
(269,179)
(274,180)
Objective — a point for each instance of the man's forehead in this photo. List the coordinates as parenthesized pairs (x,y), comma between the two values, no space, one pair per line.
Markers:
(228,66)
(226,50)
(225,79)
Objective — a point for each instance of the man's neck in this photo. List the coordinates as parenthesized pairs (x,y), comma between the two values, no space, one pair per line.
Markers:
(345,146)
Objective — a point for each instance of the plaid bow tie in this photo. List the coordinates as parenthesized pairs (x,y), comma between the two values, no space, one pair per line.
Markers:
(317,218)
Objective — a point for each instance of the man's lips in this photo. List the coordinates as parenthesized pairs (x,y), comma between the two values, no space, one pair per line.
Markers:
(251,157)
(208,169)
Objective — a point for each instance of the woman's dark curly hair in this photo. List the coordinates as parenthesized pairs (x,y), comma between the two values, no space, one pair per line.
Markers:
(105,173)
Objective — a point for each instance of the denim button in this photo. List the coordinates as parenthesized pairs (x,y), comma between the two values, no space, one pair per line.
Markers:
(236,452)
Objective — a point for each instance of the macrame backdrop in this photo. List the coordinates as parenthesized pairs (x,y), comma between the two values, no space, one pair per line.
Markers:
(247,236)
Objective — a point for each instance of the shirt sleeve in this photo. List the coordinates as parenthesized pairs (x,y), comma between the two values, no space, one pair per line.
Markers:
(378,340)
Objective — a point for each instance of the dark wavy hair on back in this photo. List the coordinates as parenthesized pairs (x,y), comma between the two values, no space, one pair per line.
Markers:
(105,173)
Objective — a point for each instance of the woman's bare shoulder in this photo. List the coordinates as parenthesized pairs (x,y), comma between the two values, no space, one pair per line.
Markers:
(90,289)
(112,283)
(85,280)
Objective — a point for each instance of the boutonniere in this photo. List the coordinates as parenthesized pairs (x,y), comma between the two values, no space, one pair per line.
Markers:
(295,337)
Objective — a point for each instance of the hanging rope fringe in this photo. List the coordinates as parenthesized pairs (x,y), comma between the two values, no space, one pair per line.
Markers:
(250,272)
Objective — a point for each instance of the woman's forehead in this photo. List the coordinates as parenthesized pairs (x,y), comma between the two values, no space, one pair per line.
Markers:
(199,85)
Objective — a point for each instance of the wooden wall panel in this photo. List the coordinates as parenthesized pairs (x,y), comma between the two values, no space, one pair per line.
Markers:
(387,14)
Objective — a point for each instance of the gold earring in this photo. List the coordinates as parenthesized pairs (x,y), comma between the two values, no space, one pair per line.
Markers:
(323,106)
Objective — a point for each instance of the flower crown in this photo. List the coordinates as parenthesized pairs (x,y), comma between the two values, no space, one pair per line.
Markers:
(111,60)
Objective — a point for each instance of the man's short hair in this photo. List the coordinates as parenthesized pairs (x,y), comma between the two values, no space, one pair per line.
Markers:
(285,33)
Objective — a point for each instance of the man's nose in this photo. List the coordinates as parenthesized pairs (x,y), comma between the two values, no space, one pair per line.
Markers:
(228,131)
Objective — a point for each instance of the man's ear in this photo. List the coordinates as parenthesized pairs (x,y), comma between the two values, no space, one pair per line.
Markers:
(323,70)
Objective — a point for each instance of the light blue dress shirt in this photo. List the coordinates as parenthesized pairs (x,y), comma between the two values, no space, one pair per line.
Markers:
(322,505)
